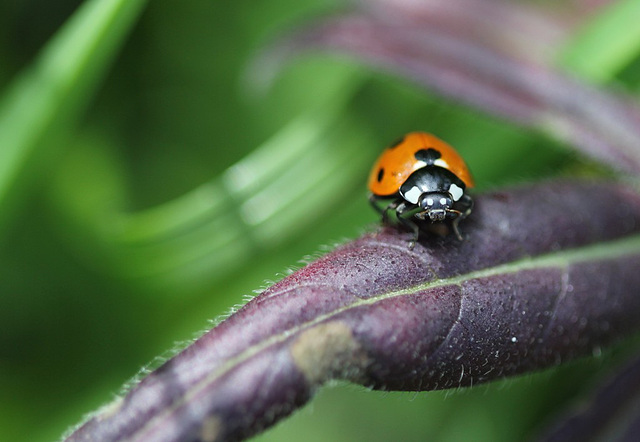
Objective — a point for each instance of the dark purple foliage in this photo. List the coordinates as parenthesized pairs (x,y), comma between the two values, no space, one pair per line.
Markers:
(546,273)
(504,69)
(612,415)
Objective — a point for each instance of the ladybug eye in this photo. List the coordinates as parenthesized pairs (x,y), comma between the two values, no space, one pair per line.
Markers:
(380,174)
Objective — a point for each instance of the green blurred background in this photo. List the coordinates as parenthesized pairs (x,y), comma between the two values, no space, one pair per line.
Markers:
(148,187)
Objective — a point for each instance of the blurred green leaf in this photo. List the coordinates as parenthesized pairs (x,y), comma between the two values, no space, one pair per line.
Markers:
(46,99)
(607,44)
(264,200)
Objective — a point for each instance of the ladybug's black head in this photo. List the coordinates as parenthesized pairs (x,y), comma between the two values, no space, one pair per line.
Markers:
(435,206)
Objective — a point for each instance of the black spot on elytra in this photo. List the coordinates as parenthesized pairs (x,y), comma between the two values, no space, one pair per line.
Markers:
(428,156)
(396,142)
(380,174)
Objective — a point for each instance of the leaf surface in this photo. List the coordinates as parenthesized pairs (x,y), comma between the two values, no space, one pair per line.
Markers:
(47,99)
(546,273)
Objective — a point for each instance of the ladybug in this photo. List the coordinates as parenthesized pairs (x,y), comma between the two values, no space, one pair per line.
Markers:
(425,180)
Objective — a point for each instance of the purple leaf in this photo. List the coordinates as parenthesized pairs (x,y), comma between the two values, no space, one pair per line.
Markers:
(524,29)
(612,414)
(453,52)
(546,273)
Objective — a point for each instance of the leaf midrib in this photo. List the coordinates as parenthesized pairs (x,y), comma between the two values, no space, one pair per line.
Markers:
(557,259)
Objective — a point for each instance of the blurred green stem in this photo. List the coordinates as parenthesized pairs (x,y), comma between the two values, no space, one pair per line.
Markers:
(607,44)
(284,185)
(47,99)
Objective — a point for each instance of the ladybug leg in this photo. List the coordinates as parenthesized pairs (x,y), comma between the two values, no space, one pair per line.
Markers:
(454,227)
(391,207)
(373,200)
(400,207)
(463,208)
(408,223)
(384,212)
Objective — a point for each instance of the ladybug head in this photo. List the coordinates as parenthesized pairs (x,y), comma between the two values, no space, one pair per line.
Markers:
(434,205)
